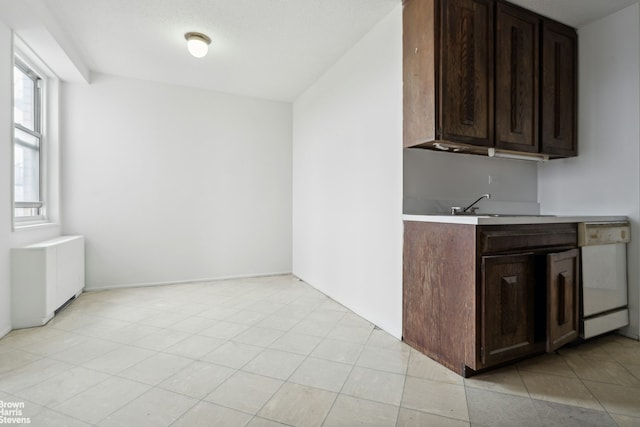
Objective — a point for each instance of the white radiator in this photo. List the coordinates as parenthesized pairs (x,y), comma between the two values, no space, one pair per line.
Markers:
(44,276)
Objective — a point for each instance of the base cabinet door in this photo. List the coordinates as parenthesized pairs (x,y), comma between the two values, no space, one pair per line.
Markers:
(563,298)
(508,286)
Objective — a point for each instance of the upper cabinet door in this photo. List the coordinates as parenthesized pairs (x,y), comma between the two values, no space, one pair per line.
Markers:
(559,90)
(466,72)
(516,83)
(563,278)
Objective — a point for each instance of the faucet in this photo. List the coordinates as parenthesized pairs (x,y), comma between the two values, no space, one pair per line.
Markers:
(457,210)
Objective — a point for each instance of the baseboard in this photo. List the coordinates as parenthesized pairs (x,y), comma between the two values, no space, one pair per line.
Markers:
(5,331)
(184,282)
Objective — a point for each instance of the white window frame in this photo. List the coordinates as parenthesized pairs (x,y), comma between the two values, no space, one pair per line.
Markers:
(49,149)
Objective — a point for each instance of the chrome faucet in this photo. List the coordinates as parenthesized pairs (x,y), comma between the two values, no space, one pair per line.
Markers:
(457,210)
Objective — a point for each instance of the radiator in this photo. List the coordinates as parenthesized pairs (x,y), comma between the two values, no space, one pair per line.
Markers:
(44,277)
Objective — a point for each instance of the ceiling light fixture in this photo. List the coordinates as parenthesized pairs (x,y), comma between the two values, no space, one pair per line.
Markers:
(197,43)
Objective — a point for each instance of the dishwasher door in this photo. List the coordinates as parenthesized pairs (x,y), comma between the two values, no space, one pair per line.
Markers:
(604,276)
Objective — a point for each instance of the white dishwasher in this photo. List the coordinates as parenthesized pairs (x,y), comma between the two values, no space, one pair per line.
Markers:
(604,276)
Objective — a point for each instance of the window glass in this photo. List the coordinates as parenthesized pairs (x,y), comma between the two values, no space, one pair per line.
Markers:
(24,91)
(26,167)
(28,201)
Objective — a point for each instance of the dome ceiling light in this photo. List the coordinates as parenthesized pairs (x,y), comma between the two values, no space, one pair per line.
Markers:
(197,43)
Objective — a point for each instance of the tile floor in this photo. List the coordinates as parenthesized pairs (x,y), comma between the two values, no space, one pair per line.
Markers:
(273,351)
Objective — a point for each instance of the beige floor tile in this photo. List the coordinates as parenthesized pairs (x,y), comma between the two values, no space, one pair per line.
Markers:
(20,338)
(101,328)
(119,359)
(278,322)
(316,328)
(154,408)
(353,334)
(350,411)
(321,373)
(197,379)
(423,367)
(617,399)
(97,402)
(634,369)
(382,359)
(59,388)
(338,351)
(503,380)
(232,354)
(296,343)
(156,368)
(49,418)
(219,313)
(624,354)
(448,400)
(263,422)
(551,364)
(163,319)
(31,374)
(129,334)
(625,421)
(193,324)
(298,405)
(70,321)
(206,414)
(62,342)
(602,371)
(224,330)
(274,364)
(13,358)
(261,337)
(590,350)
(353,320)
(489,408)
(161,340)
(384,387)
(266,306)
(324,315)
(126,314)
(411,418)
(382,339)
(553,388)
(191,308)
(195,346)
(246,317)
(245,392)
(85,351)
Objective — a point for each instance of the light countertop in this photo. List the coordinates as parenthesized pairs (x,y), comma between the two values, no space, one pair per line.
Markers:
(481,219)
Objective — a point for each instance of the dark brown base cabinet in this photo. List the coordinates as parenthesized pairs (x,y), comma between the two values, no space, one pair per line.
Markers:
(475,297)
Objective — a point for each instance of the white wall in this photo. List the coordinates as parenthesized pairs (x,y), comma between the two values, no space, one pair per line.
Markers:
(347,178)
(174,184)
(8,237)
(604,178)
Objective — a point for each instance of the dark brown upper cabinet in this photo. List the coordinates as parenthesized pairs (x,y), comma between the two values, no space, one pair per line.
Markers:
(517,35)
(448,71)
(466,69)
(559,90)
(485,73)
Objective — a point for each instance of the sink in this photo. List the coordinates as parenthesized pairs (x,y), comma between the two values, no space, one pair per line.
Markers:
(497,215)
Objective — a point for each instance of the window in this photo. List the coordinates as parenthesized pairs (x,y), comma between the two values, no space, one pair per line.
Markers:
(29,162)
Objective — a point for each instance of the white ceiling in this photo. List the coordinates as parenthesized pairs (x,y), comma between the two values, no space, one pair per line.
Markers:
(271,49)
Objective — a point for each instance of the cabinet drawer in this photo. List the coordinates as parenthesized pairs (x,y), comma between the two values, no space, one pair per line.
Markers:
(502,238)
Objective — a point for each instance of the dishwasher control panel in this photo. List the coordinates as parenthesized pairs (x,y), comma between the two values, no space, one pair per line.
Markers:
(603,233)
